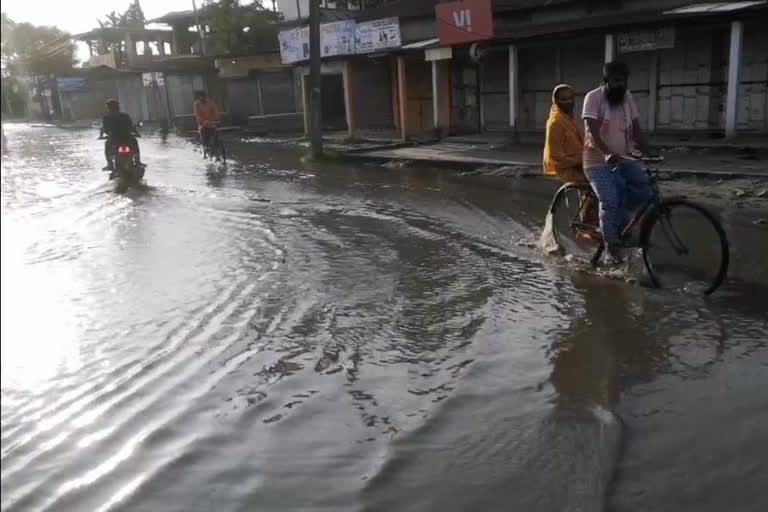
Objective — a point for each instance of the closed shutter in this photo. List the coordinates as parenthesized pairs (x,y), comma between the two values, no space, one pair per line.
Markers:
(243,96)
(495,87)
(372,85)
(277,92)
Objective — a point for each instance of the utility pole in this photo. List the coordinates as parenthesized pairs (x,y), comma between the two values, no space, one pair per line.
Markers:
(315,104)
(200,31)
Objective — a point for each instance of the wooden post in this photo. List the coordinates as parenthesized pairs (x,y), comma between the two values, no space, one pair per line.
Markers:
(395,95)
(513,87)
(316,134)
(734,77)
(349,94)
(435,96)
(402,96)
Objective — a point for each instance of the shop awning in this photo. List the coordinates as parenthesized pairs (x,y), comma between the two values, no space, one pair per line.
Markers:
(421,45)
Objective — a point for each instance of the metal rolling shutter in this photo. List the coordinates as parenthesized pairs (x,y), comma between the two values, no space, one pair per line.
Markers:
(372,85)
(495,87)
(277,92)
(243,96)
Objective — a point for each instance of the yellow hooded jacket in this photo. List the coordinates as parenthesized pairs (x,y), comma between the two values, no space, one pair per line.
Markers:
(564,146)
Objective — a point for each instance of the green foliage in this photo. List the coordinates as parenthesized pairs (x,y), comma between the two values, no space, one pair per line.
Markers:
(237,29)
(132,17)
(32,50)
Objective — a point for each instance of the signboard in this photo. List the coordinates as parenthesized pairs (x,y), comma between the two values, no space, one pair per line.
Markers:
(377,35)
(646,40)
(294,45)
(337,38)
(431,54)
(153,79)
(464,22)
(72,84)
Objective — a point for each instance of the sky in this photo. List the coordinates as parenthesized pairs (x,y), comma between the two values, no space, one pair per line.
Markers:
(76,16)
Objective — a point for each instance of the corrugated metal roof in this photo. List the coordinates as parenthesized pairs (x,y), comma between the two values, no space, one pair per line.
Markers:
(714,7)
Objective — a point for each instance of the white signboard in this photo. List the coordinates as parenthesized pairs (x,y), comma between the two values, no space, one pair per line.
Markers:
(294,45)
(640,41)
(337,38)
(377,35)
(153,78)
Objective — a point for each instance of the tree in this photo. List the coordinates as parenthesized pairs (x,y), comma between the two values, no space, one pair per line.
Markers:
(37,52)
(237,29)
(133,17)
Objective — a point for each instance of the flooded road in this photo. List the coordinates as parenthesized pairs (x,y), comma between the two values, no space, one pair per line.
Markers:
(346,337)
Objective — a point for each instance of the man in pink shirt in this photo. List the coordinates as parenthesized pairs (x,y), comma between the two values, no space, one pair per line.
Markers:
(613,130)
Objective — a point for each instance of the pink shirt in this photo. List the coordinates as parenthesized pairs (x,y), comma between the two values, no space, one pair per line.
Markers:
(615,126)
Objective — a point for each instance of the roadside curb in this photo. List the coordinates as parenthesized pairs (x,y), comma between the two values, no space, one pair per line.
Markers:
(479,163)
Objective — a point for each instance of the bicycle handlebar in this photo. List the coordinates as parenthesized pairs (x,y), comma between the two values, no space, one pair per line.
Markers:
(645,159)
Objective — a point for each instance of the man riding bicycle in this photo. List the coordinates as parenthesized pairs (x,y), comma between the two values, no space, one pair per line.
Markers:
(613,130)
(207,116)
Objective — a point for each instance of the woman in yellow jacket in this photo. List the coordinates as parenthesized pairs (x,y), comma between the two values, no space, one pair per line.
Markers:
(564,145)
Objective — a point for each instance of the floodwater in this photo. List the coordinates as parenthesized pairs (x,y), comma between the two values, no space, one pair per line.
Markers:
(345,337)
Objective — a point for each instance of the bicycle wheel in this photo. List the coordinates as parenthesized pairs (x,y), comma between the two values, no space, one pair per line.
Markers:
(574,219)
(685,247)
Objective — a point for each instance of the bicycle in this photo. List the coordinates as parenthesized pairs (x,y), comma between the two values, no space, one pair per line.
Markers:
(212,145)
(668,230)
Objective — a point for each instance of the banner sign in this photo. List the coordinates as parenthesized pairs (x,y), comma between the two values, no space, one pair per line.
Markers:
(72,84)
(646,40)
(341,38)
(153,78)
(377,35)
(294,45)
(464,22)
(337,38)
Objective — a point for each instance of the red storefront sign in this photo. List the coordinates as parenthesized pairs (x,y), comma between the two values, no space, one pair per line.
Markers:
(464,22)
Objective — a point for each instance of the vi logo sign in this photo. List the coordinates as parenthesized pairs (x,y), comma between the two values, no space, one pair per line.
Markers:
(463,19)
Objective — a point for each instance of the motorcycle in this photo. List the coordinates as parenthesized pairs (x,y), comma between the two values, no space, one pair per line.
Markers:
(127,170)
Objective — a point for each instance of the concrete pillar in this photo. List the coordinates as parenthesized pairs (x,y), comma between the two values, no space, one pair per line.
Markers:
(349,104)
(513,86)
(402,96)
(161,47)
(653,88)
(180,44)
(734,77)
(610,48)
(435,95)
(130,49)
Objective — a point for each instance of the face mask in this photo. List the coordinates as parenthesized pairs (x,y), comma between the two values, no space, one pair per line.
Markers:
(615,94)
(565,106)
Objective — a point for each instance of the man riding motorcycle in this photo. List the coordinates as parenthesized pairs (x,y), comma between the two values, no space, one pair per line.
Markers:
(119,129)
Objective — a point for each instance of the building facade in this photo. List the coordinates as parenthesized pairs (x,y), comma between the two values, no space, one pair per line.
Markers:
(695,67)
